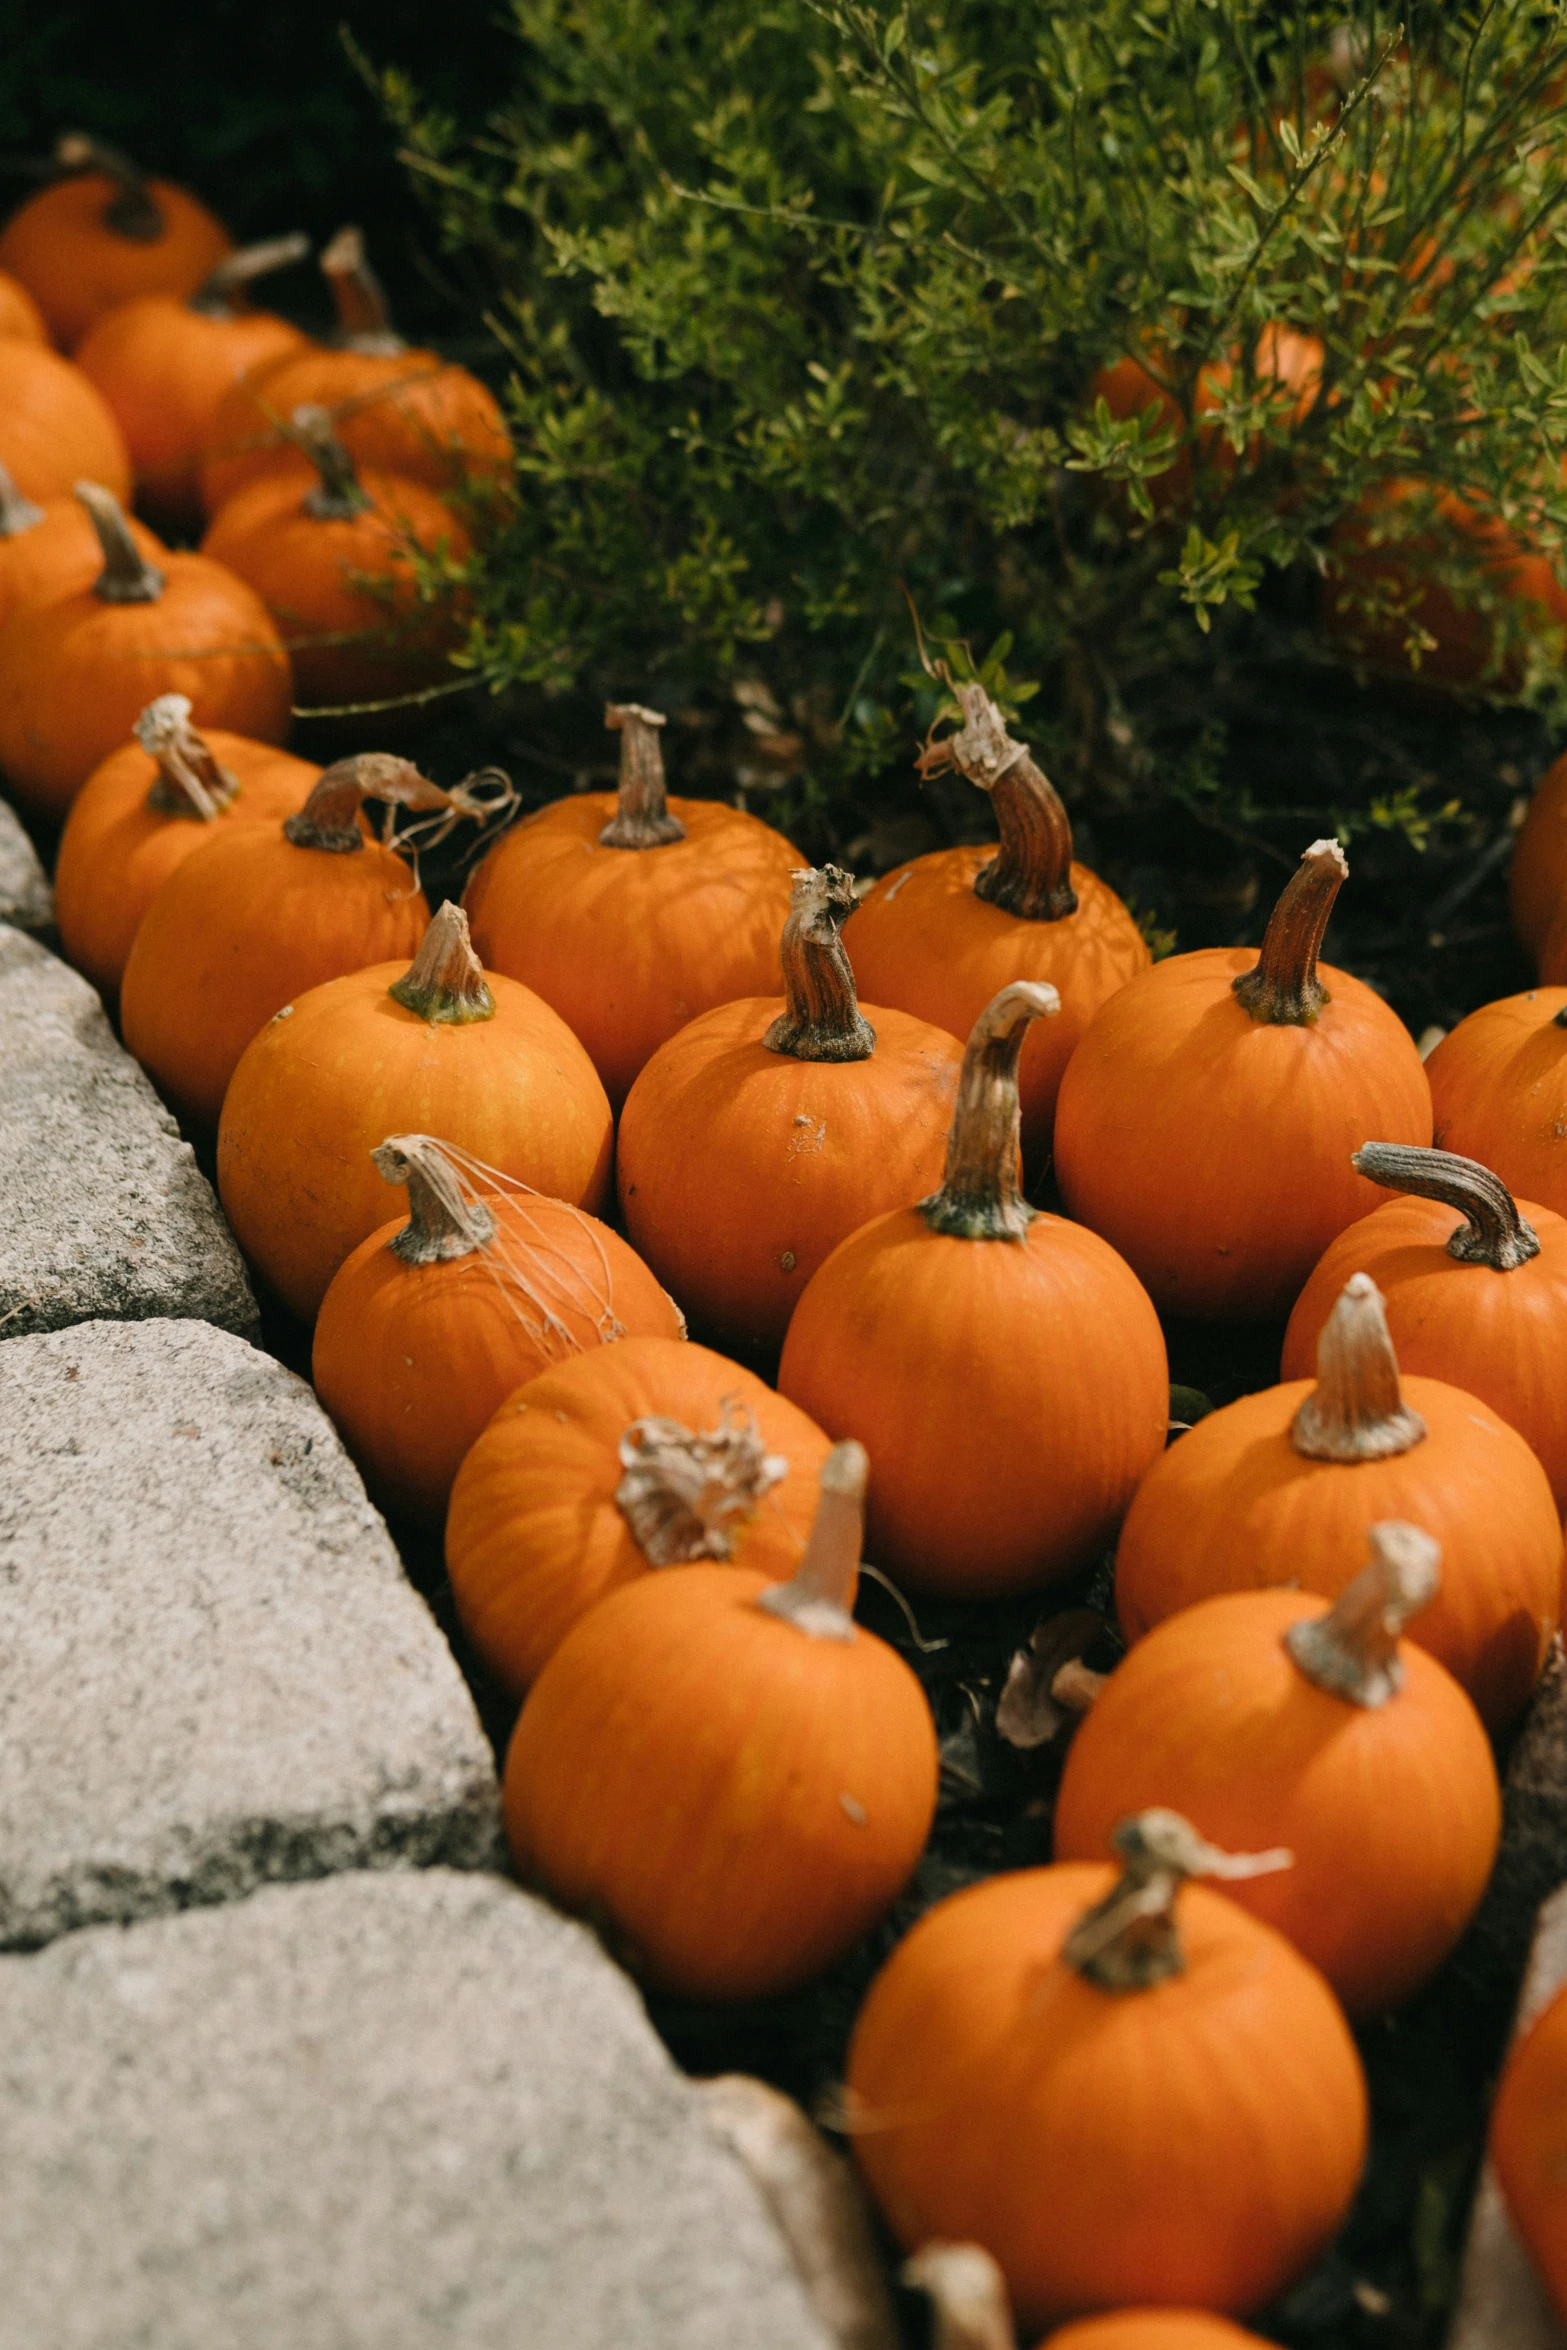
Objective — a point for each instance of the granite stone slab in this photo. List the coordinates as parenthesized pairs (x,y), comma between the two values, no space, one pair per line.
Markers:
(26,900)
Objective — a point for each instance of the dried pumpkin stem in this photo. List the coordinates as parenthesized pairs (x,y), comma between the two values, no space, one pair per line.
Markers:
(134,211)
(819,1596)
(688,1495)
(445,982)
(329,819)
(823,1021)
(17,514)
(1492,1233)
(214,297)
(363,321)
(1129,1941)
(337,495)
(1352,1651)
(1283,989)
(642,820)
(441,1223)
(1356,1411)
(1031,873)
(980,1198)
(968,2296)
(189,781)
(127,577)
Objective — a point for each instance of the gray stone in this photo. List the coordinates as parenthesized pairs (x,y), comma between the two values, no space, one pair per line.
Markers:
(26,900)
(105,1212)
(213,1670)
(409,2112)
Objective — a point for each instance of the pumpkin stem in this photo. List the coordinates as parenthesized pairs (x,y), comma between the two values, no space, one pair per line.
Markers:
(642,820)
(134,211)
(329,818)
(819,1595)
(1356,1411)
(823,1021)
(337,495)
(1031,873)
(214,297)
(1129,1941)
(968,2296)
(441,1223)
(980,1198)
(363,321)
(445,982)
(686,1495)
(189,781)
(127,577)
(16,512)
(1493,1233)
(1352,1651)
(1283,988)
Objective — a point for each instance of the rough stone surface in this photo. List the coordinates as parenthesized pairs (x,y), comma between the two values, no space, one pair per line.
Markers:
(105,1211)
(213,1670)
(1532,1860)
(26,900)
(409,2112)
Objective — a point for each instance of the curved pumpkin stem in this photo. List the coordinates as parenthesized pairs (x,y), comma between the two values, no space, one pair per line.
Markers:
(214,297)
(127,577)
(1031,872)
(968,2296)
(363,321)
(442,1223)
(17,514)
(1352,1651)
(823,1021)
(1493,1233)
(189,781)
(1128,1941)
(445,982)
(1356,1411)
(642,820)
(819,1596)
(337,495)
(329,818)
(1283,989)
(980,1198)
(687,1495)
(133,212)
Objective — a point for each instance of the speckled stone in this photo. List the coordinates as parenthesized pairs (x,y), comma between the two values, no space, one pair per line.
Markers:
(26,900)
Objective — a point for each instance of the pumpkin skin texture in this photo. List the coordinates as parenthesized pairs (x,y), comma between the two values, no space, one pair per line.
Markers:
(1153,2329)
(1499,1090)
(1527,2147)
(63,246)
(1537,877)
(20,315)
(533,1536)
(1200,2140)
(56,429)
(59,555)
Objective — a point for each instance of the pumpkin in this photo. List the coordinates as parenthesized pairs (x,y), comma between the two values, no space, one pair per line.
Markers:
(395,410)
(1499,1092)
(632,913)
(488,1067)
(939,936)
(1004,1365)
(1286,364)
(1154,2329)
(1482,1304)
(1528,2144)
(651,1453)
(163,363)
(432,1322)
(728,1773)
(1280,1487)
(764,1132)
(258,914)
(1537,876)
(104,232)
(1392,547)
(330,553)
(53,550)
(1206,1120)
(77,670)
(143,811)
(1256,1714)
(1125,2091)
(20,315)
(56,428)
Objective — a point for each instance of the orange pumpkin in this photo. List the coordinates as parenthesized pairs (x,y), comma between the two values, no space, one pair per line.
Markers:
(104,232)
(77,670)
(632,913)
(1280,1488)
(939,936)
(1122,2099)
(20,315)
(431,1323)
(971,2310)
(56,429)
(53,550)
(1206,1120)
(163,363)
(488,1067)
(731,1774)
(1007,1368)
(1499,1091)
(1257,1715)
(1286,363)
(1391,548)
(1528,2144)
(1154,2329)
(1537,877)
(1482,1304)
(765,1132)
(330,552)
(652,1453)
(143,811)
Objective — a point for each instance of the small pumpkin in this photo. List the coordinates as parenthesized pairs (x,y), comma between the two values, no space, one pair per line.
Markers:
(1125,2091)
(1499,1091)
(56,428)
(1393,547)
(103,232)
(652,1453)
(1206,1120)
(479,1061)
(632,913)
(330,551)
(939,936)
(1280,1487)
(143,811)
(1007,1368)
(53,550)
(163,362)
(1537,876)
(765,1132)
(971,2310)
(1256,1714)
(1154,2329)
(76,670)
(20,315)
(431,1322)
(1528,2144)
(1482,1304)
